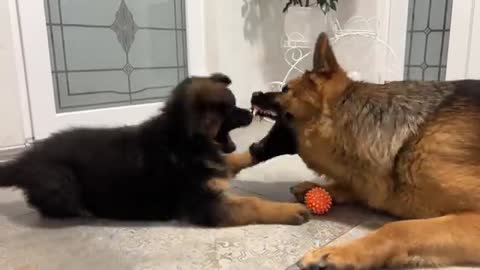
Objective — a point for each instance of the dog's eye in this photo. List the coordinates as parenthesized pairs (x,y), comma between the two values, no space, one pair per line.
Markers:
(285,89)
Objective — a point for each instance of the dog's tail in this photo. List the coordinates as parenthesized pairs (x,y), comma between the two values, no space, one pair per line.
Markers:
(7,174)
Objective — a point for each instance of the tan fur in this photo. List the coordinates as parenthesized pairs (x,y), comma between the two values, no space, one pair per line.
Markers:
(425,167)
(218,184)
(241,210)
(238,161)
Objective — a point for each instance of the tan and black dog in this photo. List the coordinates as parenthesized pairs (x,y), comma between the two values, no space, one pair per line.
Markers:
(409,148)
(171,166)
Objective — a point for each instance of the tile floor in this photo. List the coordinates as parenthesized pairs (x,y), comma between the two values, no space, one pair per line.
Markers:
(28,242)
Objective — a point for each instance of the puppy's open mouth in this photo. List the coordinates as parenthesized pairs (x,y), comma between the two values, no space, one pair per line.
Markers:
(236,119)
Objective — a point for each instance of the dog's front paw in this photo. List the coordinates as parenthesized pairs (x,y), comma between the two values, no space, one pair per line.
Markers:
(301,189)
(333,258)
(257,152)
(339,194)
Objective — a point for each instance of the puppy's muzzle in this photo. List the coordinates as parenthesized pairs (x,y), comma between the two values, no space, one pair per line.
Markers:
(237,118)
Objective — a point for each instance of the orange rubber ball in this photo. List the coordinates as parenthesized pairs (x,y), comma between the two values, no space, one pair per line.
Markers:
(318,201)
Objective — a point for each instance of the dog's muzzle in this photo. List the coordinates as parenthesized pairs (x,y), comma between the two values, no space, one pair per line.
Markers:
(265,104)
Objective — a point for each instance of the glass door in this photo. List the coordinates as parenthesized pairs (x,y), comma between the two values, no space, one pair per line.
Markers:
(442,40)
(428,35)
(109,62)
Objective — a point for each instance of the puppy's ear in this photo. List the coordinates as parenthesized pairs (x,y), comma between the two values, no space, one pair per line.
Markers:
(190,118)
(220,78)
(324,60)
(180,107)
(196,116)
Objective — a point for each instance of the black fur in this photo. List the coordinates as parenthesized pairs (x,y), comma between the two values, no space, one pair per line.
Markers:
(281,139)
(155,171)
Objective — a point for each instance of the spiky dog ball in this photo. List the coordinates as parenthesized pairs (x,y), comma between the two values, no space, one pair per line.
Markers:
(318,200)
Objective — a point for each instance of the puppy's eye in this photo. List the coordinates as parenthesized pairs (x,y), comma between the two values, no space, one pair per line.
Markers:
(285,89)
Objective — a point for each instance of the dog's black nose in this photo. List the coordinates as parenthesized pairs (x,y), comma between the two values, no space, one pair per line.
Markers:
(256,94)
(256,97)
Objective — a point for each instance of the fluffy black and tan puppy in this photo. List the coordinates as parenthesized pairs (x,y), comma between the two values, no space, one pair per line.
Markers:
(169,167)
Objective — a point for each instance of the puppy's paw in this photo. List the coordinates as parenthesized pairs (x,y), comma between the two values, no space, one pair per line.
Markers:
(295,214)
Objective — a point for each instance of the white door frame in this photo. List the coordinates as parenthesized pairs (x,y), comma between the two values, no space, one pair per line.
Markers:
(35,49)
(462,61)
(463,54)
(393,15)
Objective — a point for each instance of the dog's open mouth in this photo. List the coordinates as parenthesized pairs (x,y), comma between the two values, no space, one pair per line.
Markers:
(265,106)
(264,113)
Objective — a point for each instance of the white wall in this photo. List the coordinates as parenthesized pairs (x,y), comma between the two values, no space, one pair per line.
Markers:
(11,125)
(244,40)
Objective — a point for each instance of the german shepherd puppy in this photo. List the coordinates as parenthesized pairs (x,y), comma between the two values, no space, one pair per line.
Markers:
(169,167)
(409,148)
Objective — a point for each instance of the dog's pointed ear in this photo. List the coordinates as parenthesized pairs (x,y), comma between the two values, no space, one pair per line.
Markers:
(324,60)
(221,78)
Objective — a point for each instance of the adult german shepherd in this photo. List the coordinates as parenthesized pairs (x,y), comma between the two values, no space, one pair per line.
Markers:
(409,148)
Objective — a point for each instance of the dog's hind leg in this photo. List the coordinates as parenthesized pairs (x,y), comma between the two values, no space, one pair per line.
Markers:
(447,240)
(52,190)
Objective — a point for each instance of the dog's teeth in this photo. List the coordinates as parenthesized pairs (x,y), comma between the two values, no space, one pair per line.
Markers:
(262,113)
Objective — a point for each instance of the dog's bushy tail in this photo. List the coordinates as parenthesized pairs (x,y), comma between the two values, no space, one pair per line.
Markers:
(6,174)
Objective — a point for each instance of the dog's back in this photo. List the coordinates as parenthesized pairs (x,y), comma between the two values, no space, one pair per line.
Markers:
(401,141)
(57,172)
(382,117)
(443,158)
